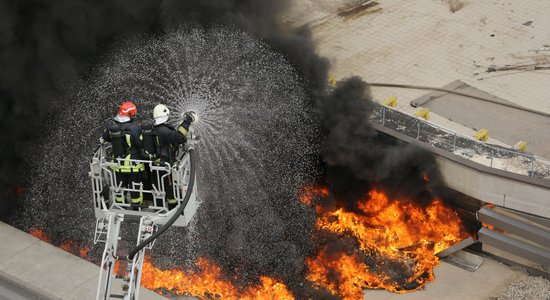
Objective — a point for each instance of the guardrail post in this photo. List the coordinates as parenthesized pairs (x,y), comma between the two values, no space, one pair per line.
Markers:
(492,155)
(383,115)
(532,174)
(454,142)
(418,132)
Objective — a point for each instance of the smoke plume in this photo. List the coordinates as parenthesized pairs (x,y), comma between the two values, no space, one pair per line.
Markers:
(48,46)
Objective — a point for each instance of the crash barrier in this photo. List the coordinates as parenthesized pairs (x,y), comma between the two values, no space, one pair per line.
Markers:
(513,233)
(493,156)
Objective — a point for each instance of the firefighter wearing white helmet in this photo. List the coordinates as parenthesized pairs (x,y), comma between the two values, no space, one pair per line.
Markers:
(168,139)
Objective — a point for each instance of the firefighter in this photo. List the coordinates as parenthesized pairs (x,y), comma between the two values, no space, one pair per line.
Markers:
(125,137)
(168,140)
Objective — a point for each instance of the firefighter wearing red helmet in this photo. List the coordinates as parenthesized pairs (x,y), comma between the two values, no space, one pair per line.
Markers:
(125,138)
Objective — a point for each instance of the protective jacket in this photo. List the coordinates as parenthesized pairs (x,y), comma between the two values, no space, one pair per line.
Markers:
(168,139)
(131,143)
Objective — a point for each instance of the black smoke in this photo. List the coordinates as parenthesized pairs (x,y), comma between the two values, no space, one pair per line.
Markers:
(46,46)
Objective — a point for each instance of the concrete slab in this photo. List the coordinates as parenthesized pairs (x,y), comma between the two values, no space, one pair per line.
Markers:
(312,11)
(506,124)
(45,269)
(88,287)
(12,288)
(423,43)
(451,282)
(48,268)
(13,242)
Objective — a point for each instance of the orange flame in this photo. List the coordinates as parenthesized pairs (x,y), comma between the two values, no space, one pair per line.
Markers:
(309,193)
(353,274)
(396,245)
(38,233)
(83,252)
(67,246)
(204,284)
(208,283)
(388,231)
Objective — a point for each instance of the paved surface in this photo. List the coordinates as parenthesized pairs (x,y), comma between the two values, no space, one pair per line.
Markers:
(13,289)
(421,42)
(31,266)
(507,124)
(451,282)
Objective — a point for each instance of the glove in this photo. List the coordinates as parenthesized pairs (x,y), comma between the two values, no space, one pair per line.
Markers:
(101,140)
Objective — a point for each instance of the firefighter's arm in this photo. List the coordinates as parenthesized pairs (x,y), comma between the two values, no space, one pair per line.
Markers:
(183,128)
(177,136)
(188,118)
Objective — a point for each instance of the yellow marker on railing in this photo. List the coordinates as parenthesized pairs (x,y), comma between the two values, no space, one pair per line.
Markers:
(521,146)
(332,80)
(423,113)
(482,135)
(391,101)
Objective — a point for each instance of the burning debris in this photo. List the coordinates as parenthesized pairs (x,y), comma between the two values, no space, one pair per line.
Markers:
(384,244)
(393,243)
(208,282)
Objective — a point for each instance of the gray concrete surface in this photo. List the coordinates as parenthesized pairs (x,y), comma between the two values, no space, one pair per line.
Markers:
(423,43)
(13,289)
(46,270)
(505,124)
(505,192)
(451,282)
(514,191)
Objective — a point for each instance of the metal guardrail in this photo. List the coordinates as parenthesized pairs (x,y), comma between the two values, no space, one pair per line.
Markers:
(103,177)
(493,156)
(515,234)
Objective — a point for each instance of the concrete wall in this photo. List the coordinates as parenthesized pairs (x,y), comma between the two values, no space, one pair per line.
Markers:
(506,189)
(499,190)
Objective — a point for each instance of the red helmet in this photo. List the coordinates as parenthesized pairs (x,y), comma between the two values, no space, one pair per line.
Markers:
(127,109)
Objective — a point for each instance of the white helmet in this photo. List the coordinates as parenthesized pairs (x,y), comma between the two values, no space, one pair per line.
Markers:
(161,113)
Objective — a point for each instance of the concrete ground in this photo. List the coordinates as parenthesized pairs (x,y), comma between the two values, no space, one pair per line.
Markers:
(451,282)
(421,42)
(30,267)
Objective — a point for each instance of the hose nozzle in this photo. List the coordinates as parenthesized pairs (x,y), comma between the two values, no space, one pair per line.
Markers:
(191,116)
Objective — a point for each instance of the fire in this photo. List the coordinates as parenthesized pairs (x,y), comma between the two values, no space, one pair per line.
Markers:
(38,233)
(309,193)
(205,283)
(397,240)
(381,244)
(348,270)
(208,282)
(83,252)
(67,246)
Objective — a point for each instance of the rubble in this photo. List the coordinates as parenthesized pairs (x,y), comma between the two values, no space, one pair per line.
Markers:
(529,287)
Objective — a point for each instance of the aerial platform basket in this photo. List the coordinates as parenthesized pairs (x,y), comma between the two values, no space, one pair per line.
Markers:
(105,187)
(153,214)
